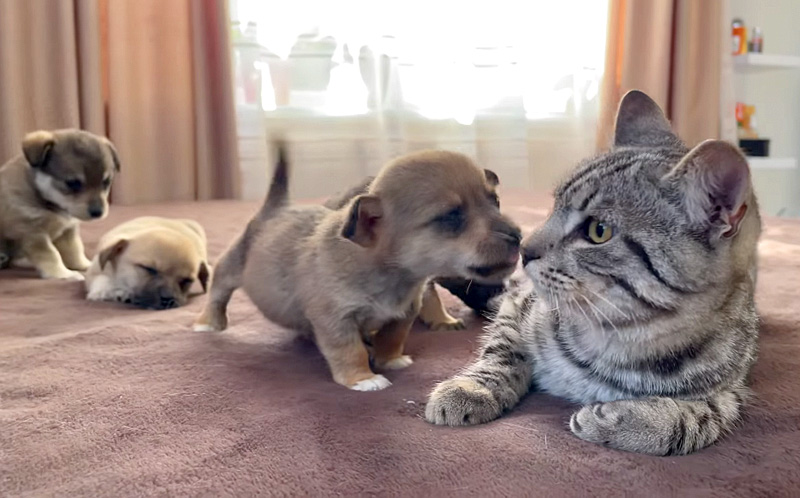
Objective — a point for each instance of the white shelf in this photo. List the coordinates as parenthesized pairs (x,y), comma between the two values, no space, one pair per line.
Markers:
(765,62)
(772,162)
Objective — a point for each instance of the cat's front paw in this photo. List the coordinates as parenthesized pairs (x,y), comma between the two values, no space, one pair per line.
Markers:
(597,423)
(628,425)
(461,401)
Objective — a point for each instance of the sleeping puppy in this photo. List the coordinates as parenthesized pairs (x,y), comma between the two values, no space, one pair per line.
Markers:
(61,177)
(476,295)
(149,262)
(353,278)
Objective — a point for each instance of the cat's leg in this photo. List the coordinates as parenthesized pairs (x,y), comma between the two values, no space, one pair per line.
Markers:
(659,426)
(493,384)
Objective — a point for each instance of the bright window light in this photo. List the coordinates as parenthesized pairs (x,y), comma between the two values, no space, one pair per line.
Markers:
(441,59)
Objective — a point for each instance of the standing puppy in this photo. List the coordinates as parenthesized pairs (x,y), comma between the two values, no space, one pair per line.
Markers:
(476,295)
(353,277)
(149,262)
(60,178)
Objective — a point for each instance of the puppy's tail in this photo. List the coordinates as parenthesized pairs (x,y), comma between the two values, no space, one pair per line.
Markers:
(278,195)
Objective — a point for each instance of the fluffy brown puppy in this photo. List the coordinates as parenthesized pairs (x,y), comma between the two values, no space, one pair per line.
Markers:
(149,262)
(61,177)
(353,278)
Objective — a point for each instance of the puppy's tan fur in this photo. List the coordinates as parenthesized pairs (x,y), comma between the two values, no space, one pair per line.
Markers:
(432,311)
(352,278)
(150,262)
(60,178)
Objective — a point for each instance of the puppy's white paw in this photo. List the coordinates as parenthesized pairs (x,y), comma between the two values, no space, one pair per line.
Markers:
(82,264)
(204,327)
(375,383)
(72,275)
(398,363)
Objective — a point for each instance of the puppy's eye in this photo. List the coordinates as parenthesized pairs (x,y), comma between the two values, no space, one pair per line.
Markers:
(598,232)
(494,199)
(106,182)
(150,270)
(74,186)
(185,284)
(452,221)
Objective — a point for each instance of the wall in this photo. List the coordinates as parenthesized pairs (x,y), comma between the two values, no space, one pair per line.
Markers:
(776,95)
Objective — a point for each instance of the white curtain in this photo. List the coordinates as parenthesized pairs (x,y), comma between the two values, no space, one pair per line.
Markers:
(351,84)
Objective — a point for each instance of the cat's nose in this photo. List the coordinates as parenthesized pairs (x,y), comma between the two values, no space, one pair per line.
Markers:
(533,248)
(530,254)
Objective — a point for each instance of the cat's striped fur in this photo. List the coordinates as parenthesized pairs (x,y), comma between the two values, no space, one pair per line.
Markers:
(654,330)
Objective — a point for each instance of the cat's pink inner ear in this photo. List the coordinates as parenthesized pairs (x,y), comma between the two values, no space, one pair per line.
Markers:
(716,183)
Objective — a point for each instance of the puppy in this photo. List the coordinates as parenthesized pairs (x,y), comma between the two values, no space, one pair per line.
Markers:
(353,278)
(61,177)
(476,295)
(149,262)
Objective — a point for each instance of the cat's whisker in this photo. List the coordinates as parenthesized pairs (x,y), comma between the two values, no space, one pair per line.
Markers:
(572,298)
(598,310)
(592,309)
(605,300)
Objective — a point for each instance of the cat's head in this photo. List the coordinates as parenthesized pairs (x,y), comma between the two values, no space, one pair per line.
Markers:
(649,225)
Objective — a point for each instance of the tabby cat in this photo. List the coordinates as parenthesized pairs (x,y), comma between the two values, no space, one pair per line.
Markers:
(640,299)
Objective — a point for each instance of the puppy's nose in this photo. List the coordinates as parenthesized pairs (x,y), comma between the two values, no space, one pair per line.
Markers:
(168,302)
(510,233)
(95,212)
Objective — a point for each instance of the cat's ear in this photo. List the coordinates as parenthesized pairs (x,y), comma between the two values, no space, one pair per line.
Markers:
(714,179)
(641,123)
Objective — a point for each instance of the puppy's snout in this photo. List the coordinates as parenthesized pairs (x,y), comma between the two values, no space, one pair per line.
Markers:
(167,299)
(96,209)
(509,233)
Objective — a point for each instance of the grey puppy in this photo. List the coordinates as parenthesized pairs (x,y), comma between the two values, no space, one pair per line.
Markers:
(61,177)
(640,303)
(352,278)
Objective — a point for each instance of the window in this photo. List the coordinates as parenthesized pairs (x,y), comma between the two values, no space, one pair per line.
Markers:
(434,59)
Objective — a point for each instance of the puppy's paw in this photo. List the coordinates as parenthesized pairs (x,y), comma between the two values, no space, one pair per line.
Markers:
(82,263)
(461,401)
(375,383)
(205,327)
(64,274)
(449,323)
(397,363)
(209,321)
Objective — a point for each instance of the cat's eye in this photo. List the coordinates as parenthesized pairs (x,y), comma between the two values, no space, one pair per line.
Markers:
(451,221)
(106,182)
(598,232)
(185,284)
(74,186)
(494,199)
(150,270)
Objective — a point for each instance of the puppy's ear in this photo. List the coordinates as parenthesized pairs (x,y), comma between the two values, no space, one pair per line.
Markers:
(112,253)
(203,274)
(37,146)
(363,220)
(491,177)
(114,154)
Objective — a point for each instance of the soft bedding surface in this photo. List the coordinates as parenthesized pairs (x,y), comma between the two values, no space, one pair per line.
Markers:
(101,400)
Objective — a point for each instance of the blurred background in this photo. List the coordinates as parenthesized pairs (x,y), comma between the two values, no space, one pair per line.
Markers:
(193,91)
